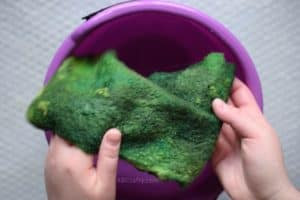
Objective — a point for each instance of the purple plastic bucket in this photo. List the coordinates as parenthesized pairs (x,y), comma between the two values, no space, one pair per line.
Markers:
(158,36)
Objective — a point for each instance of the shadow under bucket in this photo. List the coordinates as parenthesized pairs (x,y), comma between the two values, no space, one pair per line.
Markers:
(154,36)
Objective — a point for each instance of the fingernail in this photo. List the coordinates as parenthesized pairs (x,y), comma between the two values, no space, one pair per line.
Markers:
(219,104)
(113,137)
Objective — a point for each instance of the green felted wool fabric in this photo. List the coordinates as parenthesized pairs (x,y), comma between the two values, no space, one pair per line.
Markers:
(167,125)
(200,83)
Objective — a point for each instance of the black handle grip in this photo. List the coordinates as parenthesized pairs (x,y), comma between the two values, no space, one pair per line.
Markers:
(87,17)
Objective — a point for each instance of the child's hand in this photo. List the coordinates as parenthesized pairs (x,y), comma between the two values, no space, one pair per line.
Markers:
(248,158)
(70,174)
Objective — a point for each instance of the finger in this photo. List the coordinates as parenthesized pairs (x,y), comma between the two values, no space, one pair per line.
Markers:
(237,119)
(241,95)
(230,135)
(68,157)
(221,150)
(108,157)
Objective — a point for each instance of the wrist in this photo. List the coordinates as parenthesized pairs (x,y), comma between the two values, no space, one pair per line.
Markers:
(289,192)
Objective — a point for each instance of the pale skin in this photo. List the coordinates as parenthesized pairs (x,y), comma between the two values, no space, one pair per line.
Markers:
(247,159)
(70,174)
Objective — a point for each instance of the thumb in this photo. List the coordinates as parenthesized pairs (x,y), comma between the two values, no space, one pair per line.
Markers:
(108,157)
(236,118)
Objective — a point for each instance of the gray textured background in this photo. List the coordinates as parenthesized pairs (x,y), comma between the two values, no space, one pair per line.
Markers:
(31,31)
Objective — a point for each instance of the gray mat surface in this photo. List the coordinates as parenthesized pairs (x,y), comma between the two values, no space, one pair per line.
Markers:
(31,31)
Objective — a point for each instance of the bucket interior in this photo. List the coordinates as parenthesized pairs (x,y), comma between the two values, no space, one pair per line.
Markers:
(153,41)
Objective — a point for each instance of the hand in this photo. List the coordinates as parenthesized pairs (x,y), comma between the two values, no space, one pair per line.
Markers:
(248,158)
(70,174)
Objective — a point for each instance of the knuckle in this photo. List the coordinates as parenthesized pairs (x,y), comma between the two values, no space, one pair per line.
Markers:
(110,151)
(60,164)
(67,165)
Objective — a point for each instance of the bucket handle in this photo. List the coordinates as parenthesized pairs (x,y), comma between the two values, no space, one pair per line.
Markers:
(89,16)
